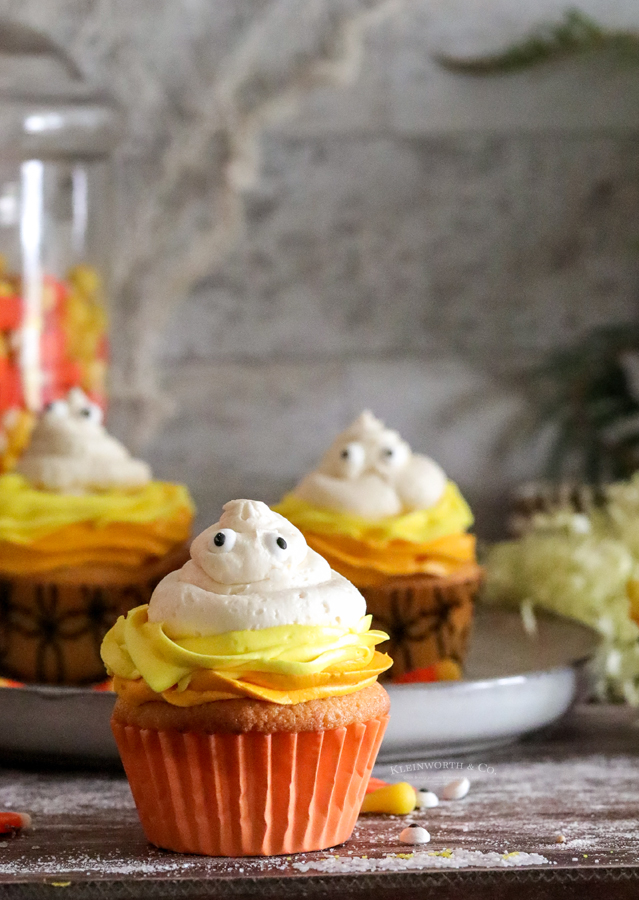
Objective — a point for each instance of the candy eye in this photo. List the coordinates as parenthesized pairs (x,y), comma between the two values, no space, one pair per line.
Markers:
(352,458)
(392,457)
(223,541)
(277,546)
(57,409)
(91,412)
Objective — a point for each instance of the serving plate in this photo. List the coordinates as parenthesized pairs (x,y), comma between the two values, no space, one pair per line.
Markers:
(56,725)
(516,683)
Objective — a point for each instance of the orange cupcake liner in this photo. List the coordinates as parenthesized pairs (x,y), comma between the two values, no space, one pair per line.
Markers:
(249,794)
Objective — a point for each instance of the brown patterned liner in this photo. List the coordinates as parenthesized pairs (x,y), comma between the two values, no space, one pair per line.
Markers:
(547,497)
(427,618)
(249,794)
(52,624)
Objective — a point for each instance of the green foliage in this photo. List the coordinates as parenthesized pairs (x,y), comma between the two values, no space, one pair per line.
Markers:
(576,34)
(585,394)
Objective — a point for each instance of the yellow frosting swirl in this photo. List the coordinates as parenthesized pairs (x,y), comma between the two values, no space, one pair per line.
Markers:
(450,515)
(284,664)
(427,541)
(40,530)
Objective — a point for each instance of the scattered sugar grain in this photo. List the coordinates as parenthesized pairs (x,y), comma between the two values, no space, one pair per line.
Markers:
(445,859)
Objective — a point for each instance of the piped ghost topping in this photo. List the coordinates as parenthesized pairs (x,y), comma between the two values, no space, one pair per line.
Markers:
(370,471)
(71,452)
(253,569)
(252,543)
(254,613)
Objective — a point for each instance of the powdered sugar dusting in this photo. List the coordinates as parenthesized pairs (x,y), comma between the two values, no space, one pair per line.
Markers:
(83,864)
(443,859)
(63,794)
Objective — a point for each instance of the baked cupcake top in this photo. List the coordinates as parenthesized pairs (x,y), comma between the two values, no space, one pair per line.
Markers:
(254,613)
(78,497)
(375,509)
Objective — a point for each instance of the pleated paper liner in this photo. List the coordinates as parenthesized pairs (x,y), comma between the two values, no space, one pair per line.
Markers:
(249,794)
(428,619)
(52,624)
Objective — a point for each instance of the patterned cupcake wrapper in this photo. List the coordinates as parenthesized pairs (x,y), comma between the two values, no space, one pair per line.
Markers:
(249,794)
(52,625)
(427,619)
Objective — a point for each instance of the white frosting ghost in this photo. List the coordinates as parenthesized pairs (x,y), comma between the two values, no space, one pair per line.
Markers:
(370,471)
(252,570)
(71,452)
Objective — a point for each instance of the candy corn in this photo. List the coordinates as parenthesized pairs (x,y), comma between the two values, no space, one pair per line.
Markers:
(444,670)
(374,784)
(394,799)
(14,821)
(72,351)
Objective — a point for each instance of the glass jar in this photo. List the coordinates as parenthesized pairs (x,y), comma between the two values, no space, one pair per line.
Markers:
(56,137)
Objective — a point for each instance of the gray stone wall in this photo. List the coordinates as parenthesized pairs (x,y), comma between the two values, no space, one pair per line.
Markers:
(314,217)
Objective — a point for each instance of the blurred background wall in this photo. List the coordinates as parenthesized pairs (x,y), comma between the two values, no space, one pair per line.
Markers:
(316,218)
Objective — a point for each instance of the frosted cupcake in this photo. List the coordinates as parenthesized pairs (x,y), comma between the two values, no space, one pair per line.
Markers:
(248,716)
(391,522)
(85,534)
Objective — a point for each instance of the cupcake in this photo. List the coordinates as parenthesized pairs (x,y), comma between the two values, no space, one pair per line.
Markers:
(248,716)
(391,522)
(85,535)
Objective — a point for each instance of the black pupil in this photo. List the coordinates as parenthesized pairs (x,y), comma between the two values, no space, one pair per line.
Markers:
(387,451)
(344,454)
(281,543)
(219,539)
(85,412)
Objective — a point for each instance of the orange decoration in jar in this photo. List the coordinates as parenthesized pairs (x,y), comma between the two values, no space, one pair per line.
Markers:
(72,351)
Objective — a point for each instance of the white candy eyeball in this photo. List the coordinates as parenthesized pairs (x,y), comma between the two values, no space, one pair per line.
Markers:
(457,789)
(223,540)
(57,409)
(351,459)
(393,456)
(91,412)
(414,834)
(426,799)
(277,545)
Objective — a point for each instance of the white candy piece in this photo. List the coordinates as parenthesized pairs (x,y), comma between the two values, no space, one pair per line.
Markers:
(414,834)
(426,799)
(456,790)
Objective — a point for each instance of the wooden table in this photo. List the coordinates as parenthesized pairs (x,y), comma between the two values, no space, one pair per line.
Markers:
(580,781)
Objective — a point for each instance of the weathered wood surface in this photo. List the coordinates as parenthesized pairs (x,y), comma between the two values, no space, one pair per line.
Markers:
(581,781)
